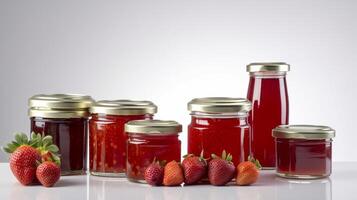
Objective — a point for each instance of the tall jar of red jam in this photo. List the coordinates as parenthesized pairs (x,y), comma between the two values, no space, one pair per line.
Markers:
(217,124)
(270,107)
(65,118)
(303,151)
(149,140)
(107,138)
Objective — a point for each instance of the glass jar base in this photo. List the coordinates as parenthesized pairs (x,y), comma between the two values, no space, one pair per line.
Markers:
(108,174)
(298,176)
(137,180)
(268,168)
(73,173)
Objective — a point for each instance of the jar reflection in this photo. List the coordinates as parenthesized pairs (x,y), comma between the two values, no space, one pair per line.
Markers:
(294,189)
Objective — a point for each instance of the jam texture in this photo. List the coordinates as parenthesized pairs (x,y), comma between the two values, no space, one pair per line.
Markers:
(213,135)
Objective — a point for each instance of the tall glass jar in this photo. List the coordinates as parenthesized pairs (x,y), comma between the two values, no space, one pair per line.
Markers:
(149,140)
(217,124)
(270,107)
(107,138)
(65,118)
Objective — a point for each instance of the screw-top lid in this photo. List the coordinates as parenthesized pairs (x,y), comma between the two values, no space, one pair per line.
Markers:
(312,132)
(153,127)
(59,105)
(123,107)
(268,67)
(219,105)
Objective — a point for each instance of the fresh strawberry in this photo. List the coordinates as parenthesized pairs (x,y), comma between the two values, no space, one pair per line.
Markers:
(221,170)
(194,168)
(25,155)
(173,174)
(48,173)
(154,173)
(248,172)
(23,163)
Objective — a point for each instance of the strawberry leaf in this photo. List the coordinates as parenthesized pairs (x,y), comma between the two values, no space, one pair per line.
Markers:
(52,148)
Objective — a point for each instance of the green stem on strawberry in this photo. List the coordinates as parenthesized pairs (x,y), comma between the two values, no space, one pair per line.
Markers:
(255,161)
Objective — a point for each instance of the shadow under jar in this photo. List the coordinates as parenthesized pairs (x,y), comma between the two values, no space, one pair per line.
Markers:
(270,107)
(149,140)
(107,137)
(303,151)
(217,124)
(65,118)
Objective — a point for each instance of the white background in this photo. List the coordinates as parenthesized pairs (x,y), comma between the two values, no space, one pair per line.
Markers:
(172,51)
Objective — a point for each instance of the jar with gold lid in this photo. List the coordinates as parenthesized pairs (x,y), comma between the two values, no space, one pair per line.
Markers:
(303,151)
(65,118)
(107,138)
(217,124)
(149,140)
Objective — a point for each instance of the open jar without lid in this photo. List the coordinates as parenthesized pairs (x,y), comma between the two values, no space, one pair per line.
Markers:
(303,151)
(217,124)
(107,138)
(65,118)
(149,140)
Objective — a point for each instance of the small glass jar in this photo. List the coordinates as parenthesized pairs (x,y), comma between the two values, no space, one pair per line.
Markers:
(65,118)
(303,151)
(149,140)
(217,124)
(270,107)
(107,138)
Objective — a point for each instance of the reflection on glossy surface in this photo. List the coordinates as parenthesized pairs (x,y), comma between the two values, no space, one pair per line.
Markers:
(319,189)
(269,186)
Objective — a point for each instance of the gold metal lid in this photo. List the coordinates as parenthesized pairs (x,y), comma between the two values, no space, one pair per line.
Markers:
(312,132)
(59,105)
(123,107)
(219,105)
(153,127)
(268,67)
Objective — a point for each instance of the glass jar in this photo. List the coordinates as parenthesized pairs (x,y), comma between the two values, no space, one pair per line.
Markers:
(270,107)
(149,140)
(65,118)
(217,124)
(303,151)
(107,138)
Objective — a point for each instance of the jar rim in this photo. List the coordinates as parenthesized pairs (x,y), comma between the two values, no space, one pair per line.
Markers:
(59,105)
(313,132)
(153,127)
(123,107)
(219,105)
(268,67)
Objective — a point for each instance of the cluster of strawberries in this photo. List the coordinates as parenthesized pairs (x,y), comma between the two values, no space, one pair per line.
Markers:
(34,160)
(194,169)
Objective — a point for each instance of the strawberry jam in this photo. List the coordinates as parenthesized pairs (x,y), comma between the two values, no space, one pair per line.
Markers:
(65,118)
(270,107)
(219,124)
(303,151)
(107,138)
(149,140)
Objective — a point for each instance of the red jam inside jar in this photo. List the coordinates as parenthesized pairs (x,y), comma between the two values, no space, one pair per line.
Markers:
(270,107)
(219,124)
(149,140)
(65,118)
(303,151)
(107,138)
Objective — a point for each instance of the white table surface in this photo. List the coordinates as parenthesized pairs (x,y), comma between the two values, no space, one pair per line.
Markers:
(342,184)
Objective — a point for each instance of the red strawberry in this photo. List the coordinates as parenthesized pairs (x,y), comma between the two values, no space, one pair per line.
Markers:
(23,163)
(26,155)
(154,173)
(195,168)
(248,172)
(48,173)
(221,170)
(173,174)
